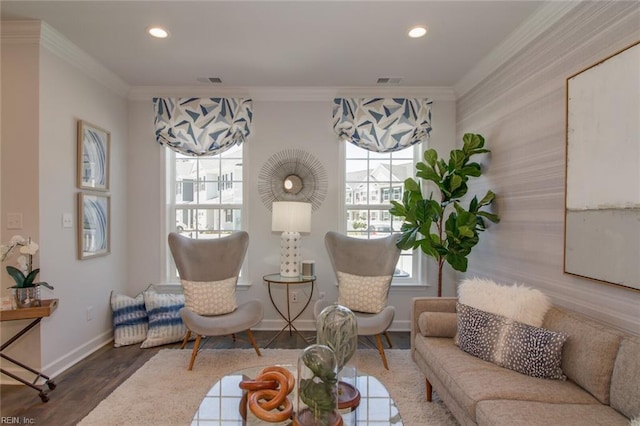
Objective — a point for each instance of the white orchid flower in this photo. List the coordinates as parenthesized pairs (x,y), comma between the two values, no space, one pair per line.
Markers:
(31,248)
(18,240)
(23,264)
(4,251)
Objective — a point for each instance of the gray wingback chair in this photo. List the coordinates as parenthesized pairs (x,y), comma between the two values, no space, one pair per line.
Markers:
(214,260)
(369,258)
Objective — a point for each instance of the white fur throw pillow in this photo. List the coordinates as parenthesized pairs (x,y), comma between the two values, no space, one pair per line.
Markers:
(517,302)
(210,297)
(363,294)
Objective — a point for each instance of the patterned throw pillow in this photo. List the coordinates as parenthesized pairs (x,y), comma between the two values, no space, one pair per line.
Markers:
(130,320)
(533,351)
(165,323)
(363,294)
(210,297)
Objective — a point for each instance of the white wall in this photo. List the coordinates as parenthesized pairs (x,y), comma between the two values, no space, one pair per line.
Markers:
(43,96)
(278,125)
(66,96)
(20,167)
(520,109)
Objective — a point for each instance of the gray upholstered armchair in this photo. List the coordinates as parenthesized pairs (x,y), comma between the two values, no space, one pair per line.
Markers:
(209,270)
(370,263)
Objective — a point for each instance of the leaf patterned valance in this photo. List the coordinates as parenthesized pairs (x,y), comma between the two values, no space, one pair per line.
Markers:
(202,126)
(382,124)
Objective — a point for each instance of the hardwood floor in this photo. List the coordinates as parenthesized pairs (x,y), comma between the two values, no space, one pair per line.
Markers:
(81,388)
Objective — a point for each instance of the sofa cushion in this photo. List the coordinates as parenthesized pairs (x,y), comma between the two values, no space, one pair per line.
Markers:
(470,379)
(589,352)
(438,324)
(527,413)
(210,297)
(511,344)
(518,302)
(625,391)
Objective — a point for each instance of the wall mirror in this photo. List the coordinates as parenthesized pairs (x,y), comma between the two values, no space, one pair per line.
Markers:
(602,197)
(292,175)
(292,184)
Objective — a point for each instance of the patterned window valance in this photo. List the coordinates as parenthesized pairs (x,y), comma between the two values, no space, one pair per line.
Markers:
(202,126)
(382,124)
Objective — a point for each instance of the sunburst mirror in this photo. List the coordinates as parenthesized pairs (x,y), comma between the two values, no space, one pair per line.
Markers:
(292,175)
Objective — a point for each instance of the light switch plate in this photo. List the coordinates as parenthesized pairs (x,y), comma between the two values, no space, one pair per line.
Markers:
(14,220)
(67,220)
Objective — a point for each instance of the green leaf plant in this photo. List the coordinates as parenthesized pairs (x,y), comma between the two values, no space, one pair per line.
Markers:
(441,227)
(25,275)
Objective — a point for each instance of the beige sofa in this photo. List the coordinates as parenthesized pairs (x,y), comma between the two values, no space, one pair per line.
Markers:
(602,366)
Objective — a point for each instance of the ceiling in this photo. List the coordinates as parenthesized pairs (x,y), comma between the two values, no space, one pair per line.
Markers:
(282,43)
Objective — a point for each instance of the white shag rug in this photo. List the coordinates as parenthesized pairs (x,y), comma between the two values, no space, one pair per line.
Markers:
(164,392)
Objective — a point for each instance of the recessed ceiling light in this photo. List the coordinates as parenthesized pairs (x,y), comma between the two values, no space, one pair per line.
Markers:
(417,32)
(158,32)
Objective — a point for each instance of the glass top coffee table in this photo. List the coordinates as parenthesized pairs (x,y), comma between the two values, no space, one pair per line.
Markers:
(220,407)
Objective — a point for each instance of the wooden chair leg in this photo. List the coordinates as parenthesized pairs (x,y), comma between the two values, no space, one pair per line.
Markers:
(253,342)
(429,389)
(233,337)
(196,346)
(186,339)
(381,350)
(386,335)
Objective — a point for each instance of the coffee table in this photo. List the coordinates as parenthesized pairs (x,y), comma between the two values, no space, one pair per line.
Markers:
(220,406)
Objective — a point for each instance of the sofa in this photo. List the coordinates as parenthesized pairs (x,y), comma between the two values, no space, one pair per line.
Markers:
(601,365)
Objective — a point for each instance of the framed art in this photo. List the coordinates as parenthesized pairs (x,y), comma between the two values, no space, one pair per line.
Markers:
(93,157)
(602,196)
(94,227)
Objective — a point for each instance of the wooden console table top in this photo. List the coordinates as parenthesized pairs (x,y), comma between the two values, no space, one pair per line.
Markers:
(47,308)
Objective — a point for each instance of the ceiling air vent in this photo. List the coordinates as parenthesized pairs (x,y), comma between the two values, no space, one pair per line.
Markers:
(214,80)
(389,80)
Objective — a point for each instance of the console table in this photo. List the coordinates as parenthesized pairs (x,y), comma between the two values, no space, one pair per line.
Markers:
(45,309)
(288,281)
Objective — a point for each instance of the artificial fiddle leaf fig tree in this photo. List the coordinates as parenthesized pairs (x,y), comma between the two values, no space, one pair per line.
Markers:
(441,227)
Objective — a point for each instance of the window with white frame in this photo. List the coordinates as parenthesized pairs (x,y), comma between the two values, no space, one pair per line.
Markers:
(371,181)
(207,197)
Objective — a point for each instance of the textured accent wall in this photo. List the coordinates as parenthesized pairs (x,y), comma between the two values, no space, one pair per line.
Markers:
(520,109)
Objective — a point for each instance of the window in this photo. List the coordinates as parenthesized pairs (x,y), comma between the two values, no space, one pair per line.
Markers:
(371,180)
(207,201)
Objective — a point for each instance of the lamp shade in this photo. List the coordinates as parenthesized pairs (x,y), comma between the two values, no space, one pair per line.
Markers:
(291,216)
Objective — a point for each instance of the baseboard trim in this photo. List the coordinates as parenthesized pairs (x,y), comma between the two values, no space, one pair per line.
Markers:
(58,366)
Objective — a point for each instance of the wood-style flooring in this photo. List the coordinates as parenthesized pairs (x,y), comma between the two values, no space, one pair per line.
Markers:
(81,388)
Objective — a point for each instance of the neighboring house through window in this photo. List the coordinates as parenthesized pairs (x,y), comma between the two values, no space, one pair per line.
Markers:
(208,198)
(371,181)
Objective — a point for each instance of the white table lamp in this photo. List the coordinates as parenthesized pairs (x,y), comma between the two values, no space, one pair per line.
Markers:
(290,217)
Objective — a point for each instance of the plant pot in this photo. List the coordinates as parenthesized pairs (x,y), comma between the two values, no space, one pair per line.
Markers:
(27,297)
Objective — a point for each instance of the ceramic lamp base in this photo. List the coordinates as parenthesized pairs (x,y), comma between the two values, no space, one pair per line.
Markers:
(290,254)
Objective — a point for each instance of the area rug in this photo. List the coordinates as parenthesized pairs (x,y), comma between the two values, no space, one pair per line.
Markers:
(164,392)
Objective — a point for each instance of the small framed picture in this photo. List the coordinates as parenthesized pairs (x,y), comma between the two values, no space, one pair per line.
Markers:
(93,157)
(94,227)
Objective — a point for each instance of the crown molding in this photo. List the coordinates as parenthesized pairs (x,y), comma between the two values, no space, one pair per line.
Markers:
(20,32)
(61,46)
(545,17)
(40,33)
(291,94)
